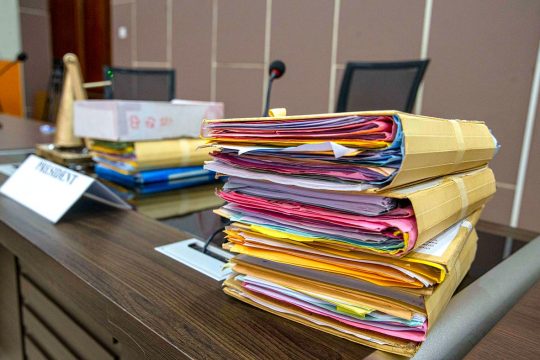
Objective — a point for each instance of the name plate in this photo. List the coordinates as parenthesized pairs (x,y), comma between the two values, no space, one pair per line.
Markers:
(51,190)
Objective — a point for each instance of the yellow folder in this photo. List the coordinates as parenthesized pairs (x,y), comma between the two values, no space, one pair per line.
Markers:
(156,154)
(419,271)
(437,204)
(432,146)
(393,304)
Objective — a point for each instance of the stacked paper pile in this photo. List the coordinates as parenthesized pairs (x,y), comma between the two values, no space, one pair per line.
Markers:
(329,230)
(149,167)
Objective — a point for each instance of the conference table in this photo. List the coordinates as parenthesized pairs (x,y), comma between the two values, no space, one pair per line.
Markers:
(93,286)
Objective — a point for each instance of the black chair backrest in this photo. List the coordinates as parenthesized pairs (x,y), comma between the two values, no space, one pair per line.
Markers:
(380,85)
(139,84)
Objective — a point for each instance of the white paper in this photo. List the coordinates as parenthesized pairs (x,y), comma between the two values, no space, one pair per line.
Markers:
(337,149)
(221,168)
(438,245)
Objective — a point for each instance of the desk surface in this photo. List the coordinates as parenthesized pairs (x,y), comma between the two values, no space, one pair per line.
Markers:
(19,133)
(181,310)
(517,335)
(113,252)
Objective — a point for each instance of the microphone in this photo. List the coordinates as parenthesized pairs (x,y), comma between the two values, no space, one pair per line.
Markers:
(21,57)
(276,70)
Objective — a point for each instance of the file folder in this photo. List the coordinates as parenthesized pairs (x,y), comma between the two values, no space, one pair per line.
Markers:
(423,211)
(369,151)
(132,157)
(419,271)
(390,323)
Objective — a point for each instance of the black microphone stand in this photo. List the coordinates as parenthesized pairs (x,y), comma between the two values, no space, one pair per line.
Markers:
(273,75)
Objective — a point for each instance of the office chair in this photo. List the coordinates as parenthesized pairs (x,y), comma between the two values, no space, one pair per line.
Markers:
(139,84)
(380,85)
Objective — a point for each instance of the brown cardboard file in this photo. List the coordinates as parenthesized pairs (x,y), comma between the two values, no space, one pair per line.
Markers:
(432,146)
(435,261)
(440,203)
(166,153)
(434,305)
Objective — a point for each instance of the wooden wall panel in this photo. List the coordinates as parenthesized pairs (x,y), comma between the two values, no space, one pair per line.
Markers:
(374,30)
(151,27)
(480,69)
(240,90)
(482,60)
(530,208)
(302,39)
(121,16)
(240,31)
(36,43)
(192,50)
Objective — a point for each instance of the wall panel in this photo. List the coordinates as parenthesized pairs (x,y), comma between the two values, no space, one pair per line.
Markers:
(483,69)
(373,30)
(121,16)
(240,90)
(192,50)
(151,27)
(36,42)
(240,35)
(302,39)
(530,208)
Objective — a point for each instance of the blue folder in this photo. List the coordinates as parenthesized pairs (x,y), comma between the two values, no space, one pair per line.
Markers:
(153,181)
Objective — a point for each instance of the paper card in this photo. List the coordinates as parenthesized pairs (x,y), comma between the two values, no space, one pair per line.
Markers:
(438,245)
(51,190)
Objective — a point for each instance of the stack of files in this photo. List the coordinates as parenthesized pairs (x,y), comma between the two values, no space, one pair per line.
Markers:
(387,318)
(133,157)
(149,167)
(357,224)
(347,151)
(171,203)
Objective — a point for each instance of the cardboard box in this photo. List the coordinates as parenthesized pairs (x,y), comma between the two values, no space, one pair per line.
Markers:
(123,120)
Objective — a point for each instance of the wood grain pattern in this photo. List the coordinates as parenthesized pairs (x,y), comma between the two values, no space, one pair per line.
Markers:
(10,329)
(165,308)
(517,335)
(20,133)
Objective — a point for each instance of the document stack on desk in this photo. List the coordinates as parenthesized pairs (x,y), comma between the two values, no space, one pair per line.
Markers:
(147,146)
(358,224)
(148,167)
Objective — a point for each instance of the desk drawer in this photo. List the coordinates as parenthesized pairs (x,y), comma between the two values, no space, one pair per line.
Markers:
(45,338)
(33,352)
(60,324)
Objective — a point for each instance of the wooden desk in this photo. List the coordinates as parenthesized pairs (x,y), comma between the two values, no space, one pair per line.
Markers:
(93,286)
(21,133)
(99,267)
(516,335)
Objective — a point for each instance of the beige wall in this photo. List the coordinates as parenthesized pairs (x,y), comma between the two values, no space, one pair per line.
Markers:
(36,42)
(483,56)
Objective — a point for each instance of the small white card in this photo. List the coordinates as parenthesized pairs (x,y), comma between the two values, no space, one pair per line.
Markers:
(51,190)
(438,245)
